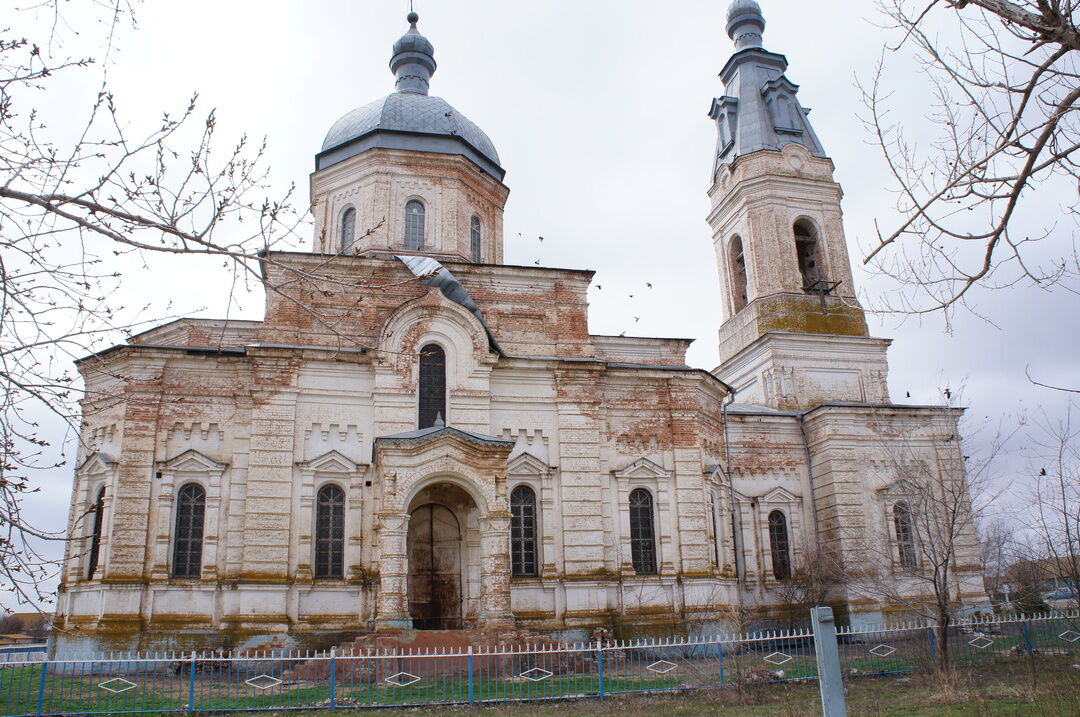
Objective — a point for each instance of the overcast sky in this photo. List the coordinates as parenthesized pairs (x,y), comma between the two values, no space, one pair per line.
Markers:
(598,112)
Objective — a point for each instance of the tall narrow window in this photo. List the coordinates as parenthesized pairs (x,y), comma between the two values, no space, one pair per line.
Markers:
(187,540)
(330,532)
(95,537)
(778,541)
(714,514)
(809,252)
(523,531)
(642,534)
(474,237)
(432,385)
(348,229)
(905,535)
(414,225)
(738,274)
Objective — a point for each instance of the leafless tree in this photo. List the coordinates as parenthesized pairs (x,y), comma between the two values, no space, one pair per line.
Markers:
(1055,499)
(924,555)
(998,155)
(997,540)
(816,574)
(76,208)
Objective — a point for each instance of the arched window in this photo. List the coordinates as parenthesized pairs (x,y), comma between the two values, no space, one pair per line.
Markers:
(187,540)
(809,251)
(330,532)
(432,385)
(780,545)
(474,237)
(905,535)
(414,225)
(642,534)
(95,537)
(523,531)
(348,228)
(738,274)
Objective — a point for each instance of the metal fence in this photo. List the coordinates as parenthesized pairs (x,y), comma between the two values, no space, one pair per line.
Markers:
(22,653)
(193,682)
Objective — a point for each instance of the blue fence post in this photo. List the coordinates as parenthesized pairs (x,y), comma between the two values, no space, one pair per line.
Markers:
(470,673)
(333,676)
(191,684)
(600,668)
(41,686)
(1027,636)
(720,657)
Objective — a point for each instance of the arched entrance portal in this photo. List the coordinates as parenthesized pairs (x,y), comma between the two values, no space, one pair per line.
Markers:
(434,545)
(437,544)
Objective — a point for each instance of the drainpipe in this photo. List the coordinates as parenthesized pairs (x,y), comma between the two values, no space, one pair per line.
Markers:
(809,473)
(736,538)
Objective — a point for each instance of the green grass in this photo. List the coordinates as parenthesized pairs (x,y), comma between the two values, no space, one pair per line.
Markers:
(1005,688)
(221,691)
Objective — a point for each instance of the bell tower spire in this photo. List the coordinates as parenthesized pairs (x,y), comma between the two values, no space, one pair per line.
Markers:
(790,311)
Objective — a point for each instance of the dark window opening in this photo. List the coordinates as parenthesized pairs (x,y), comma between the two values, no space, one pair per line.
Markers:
(414,225)
(95,537)
(330,532)
(474,238)
(778,541)
(809,252)
(642,532)
(905,535)
(432,385)
(738,274)
(187,546)
(523,532)
(348,228)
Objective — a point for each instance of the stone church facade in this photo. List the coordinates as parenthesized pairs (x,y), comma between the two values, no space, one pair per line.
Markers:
(418,435)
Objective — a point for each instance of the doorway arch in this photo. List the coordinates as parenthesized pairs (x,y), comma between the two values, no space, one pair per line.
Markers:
(442,519)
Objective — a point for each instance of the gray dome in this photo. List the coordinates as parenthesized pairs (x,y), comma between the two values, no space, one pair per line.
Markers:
(410,118)
(745,23)
(409,112)
(743,6)
(413,41)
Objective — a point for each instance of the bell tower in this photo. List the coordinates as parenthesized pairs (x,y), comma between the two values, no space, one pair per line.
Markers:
(793,332)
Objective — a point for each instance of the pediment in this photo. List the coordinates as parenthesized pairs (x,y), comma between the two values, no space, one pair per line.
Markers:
(191,461)
(715,474)
(332,462)
(97,463)
(527,464)
(642,468)
(779,495)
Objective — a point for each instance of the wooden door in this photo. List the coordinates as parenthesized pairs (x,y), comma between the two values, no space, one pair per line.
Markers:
(434,546)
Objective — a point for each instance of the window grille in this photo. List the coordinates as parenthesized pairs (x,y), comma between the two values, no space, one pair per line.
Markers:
(523,531)
(780,545)
(95,537)
(330,532)
(642,533)
(432,385)
(905,535)
(187,546)
(414,225)
(474,238)
(348,228)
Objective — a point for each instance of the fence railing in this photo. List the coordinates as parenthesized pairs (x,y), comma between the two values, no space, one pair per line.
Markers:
(195,682)
(22,653)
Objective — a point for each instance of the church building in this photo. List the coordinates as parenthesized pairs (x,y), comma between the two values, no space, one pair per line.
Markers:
(418,435)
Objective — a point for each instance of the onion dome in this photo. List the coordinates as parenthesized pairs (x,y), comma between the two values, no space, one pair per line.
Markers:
(410,118)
